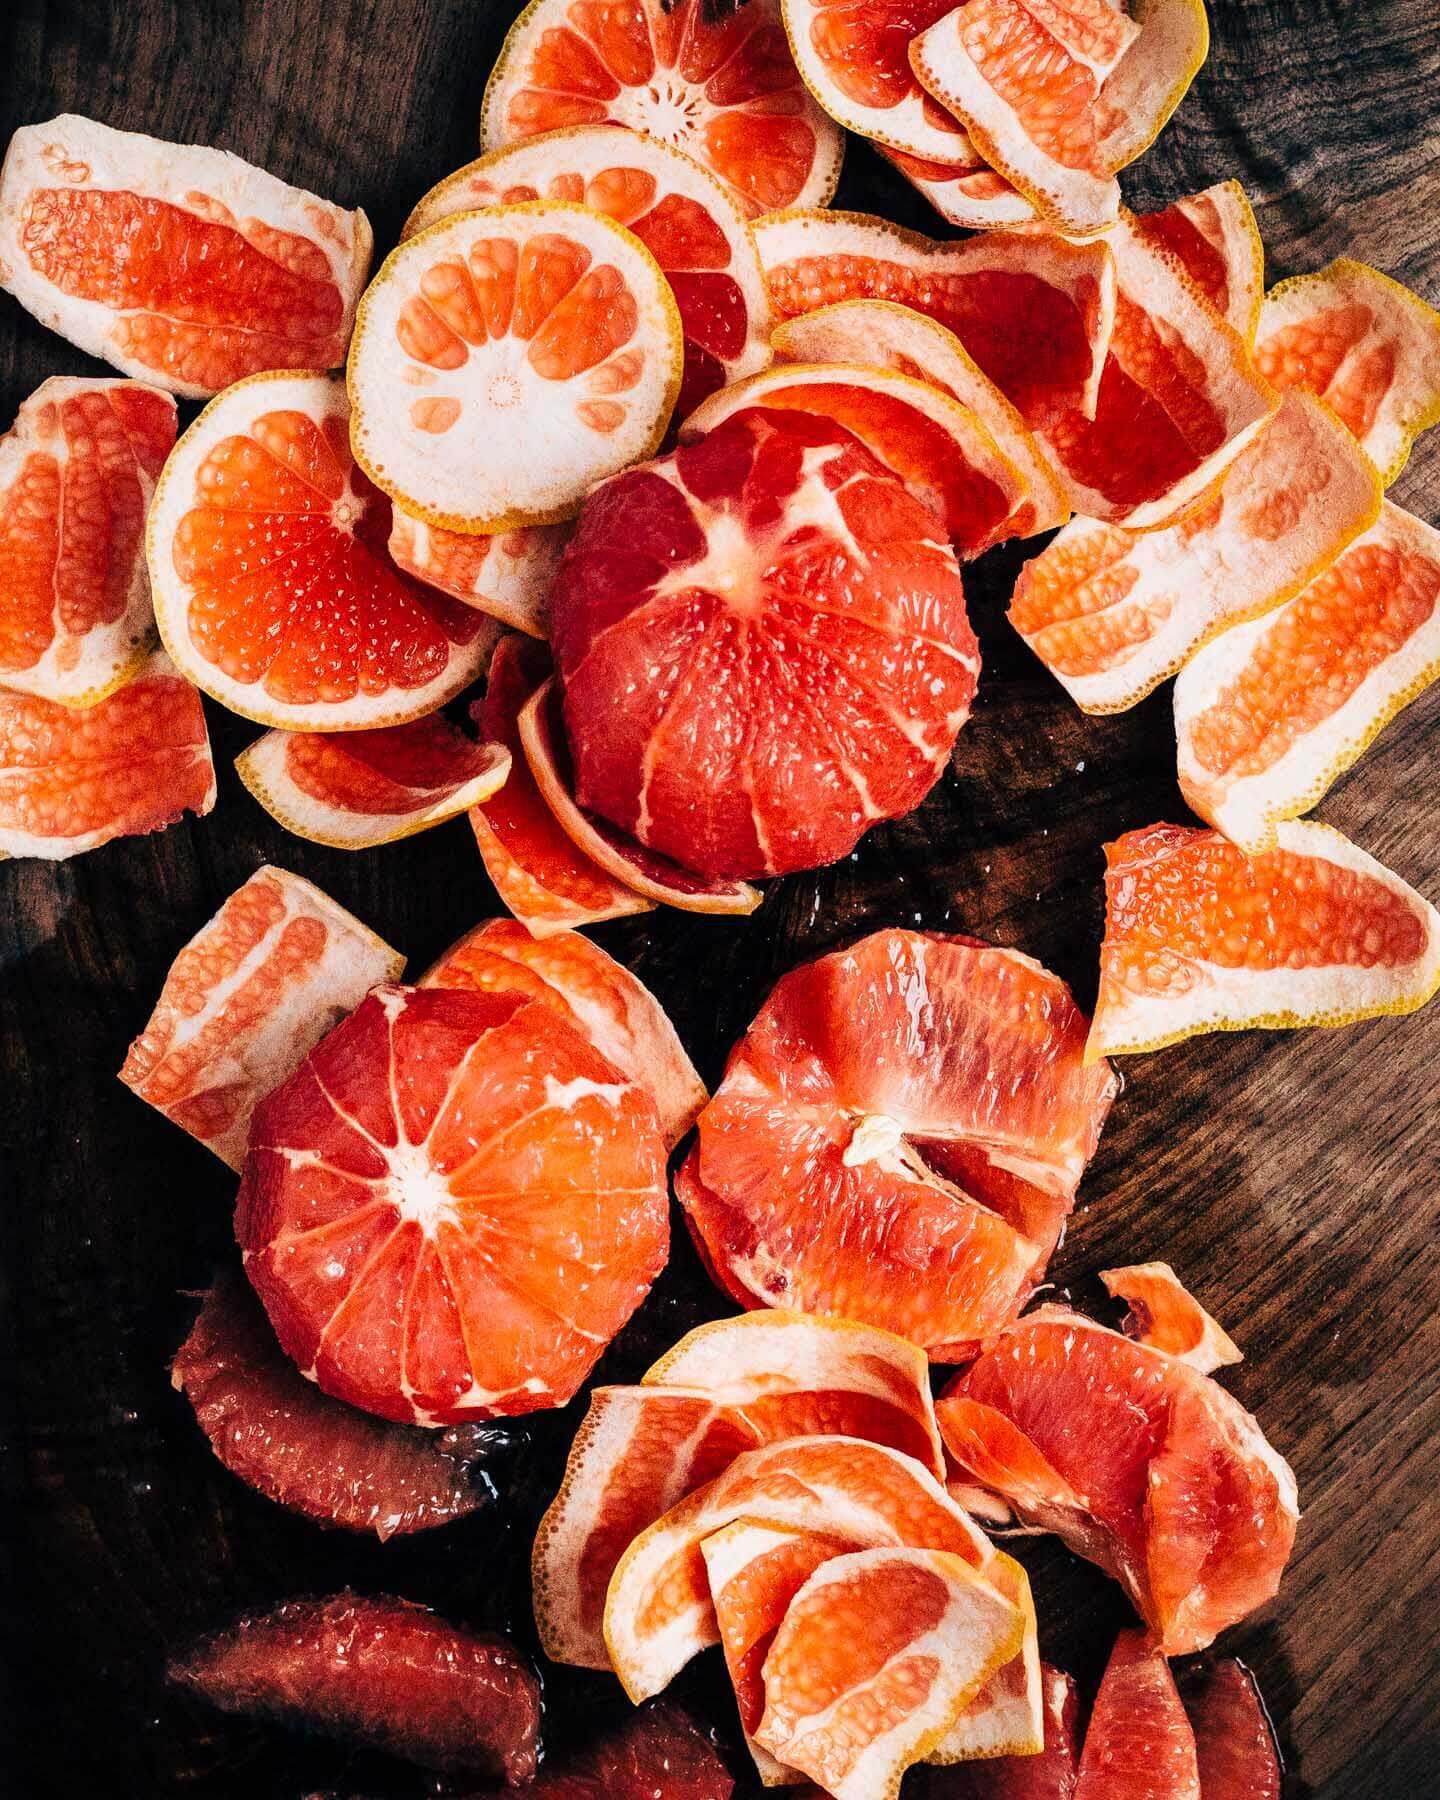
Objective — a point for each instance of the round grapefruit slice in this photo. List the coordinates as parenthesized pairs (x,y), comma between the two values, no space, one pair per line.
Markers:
(177,263)
(72,780)
(1271,713)
(544,311)
(1201,937)
(1234,1744)
(273,590)
(77,470)
(1138,1744)
(1366,345)
(763,648)
(723,90)
(1216,238)
(245,1002)
(1047,1775)
(689,223)
(507,576)
(963,189)
(452,1206)
(1163,1316)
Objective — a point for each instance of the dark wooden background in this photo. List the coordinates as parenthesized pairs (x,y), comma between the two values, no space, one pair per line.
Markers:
(1293,1181)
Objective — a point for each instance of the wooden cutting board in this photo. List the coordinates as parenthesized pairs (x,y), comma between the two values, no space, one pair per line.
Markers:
(1292,1181)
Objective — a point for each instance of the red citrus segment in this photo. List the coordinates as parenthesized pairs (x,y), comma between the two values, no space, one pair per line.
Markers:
(1201,937)
(1215,237)
(77,470)
(177,263)
(452,1206)
(1234,1744)
(963,188)
(246,1000)
(657,1753)
(382,1672)
(1163,1316)
(1139,1745)
(132,763)
(1049,1775)
(726,91)
(507,576)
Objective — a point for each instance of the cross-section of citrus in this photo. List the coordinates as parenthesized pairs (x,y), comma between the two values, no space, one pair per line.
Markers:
(177,263)
(1216,237)
(452,1206)
(1163,1316)
(507,576)
(1138,1744)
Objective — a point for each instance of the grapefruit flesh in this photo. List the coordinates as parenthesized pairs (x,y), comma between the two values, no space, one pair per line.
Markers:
(134,762)
(1234,1744)
(1049,1775)
(726,91)
(963,188)
(1163,1316)
(177,263)
(507,576)
(77,470)
(246,1000)
(763,649)
(1215,237)
(452,1206)
(656,1754)
(1138,1745)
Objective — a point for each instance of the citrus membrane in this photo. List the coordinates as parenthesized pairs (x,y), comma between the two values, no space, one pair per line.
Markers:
(507,576)
(1139,1742)
(1216,237)
(1163,1316)
(964,190)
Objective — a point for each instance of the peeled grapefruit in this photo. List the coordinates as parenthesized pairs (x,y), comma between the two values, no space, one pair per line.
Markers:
(1138,1745)
(507,576)
(1163,1316)
(658,1753)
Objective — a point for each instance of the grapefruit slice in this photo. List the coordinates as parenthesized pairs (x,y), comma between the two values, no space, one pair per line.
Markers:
(725,91)
(507,576)
(177,263)
(1366,345)
(1163,1316)
(1033,311)
(1201,937)
(537,869)
(246,1001)
(72,780)
(1234,1744)
(281,1436)
(545,311)
(593,992)
(963,188)
(452,1206)
(1048,1775)
(1271,713)
(1139,1745)
(273,591)
(1139,1462)
(1216,238)
(763,648)
(77,470)
(690,224)
(1111,613)
(811,1182)
(658,1753)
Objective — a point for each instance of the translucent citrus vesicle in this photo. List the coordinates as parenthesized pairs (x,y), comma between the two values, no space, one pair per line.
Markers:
(1163,1316)
(1273,711)
(964,190)
(507,576)
(1215,236)
(246,1000)
(452,1206)
(1234,1744)
(1201,937)
(1139,1743)
(134,762)
(177,263)
(725,90)
(77,470)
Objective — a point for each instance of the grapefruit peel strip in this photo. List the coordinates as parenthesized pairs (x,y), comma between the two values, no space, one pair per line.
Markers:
(941,184)
(1007,1716)
(507,576)
(1223,216)
(1163,1316)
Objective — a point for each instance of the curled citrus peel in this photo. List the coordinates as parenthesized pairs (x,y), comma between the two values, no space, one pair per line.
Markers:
(963,188)
(507,576)
(1215,235)
(1163,1316)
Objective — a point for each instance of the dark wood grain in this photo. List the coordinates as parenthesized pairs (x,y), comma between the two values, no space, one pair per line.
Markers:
(1292,1180)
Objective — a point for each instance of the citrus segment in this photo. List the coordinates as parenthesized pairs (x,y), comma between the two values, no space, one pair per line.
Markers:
(1234,1744)
(1215,236)
(658,1753)
(1138,1745)
(1111,613)
(1049,1775)
(77,470)
(1273,711)
(545,312)
(134,762)
(177,263)
(273,590)
(1163,1316)
(1366,345)
(1033,311)
(1201,937)
(452,1206)
(724,90)
(245,1002)
(507,576)
(963,188)
(361,788)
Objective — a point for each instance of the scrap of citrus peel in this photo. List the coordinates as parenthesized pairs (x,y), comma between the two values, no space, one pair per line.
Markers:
(77,470)
(963,189)
(1048,1774)
(1201,937)
(179,264)
(507,576)
(1215,235)
(246,1000)
(1139,1743)
(1163,1316)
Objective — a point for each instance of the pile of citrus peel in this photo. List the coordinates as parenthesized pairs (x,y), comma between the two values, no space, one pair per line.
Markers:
(685,468)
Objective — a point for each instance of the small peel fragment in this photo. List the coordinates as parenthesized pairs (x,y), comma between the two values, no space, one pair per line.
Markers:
(507,576)
(1165,1317)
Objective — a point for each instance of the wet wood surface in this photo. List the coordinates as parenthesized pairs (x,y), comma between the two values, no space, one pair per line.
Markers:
(1292,1181)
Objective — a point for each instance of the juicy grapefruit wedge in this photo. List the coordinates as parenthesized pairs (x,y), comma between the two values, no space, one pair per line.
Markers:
(1366,345)
(1216,237)
(812,1185)
(544,312)
(452,1206)
(246,1001)
(658,1753)
(507,576)
(273,590)
(361,788)
(1047,1775)
(690,224)
(1033,311)
(1111,613)
(1234,1743)
(593,992)
(963,188)
(1163,1316)
(177,263)
(1136,1460)
(77,470)
(1201,937)
(1271,713)
(725,91)
(763,648)
(1138,1745)
(72,780)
